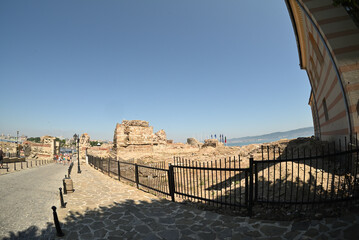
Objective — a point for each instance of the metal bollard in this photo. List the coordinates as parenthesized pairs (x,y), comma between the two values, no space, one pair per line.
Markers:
(59,232)
(63,205)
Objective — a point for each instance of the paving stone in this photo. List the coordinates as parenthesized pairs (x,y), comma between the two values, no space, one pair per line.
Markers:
(206,236)
(115,216)
(225,233)
(352,232)
(330,220)
(211,215)
(180,226)
(302,225)
(256,226)
(142,229)
(322,237)
(269,230)
(323,228)
(87,220)
(338,224)
(97,225)
(151,236)
(196,227)
(126,228)
(291,235)
(85,229)
(101,233)
(128,213)
(184,221)
(116,233)
(129,235)
(239,236)
(348,218)
(188,238)
(312,232)
(335,233)
(241,229)
(72,236)
(186,232)
(86,236)
(253,234)
(169,234)
(187,215)
(284,223)
(167,220)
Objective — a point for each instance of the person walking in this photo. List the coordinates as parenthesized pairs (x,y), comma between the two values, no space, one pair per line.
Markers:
(1,157)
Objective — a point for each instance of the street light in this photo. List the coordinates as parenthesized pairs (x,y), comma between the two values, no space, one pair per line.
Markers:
(77,140)
(17,145)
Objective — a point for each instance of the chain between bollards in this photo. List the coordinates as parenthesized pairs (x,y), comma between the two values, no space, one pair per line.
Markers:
(59,232)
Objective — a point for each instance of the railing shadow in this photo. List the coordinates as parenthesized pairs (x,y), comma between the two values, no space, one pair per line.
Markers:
(128,219)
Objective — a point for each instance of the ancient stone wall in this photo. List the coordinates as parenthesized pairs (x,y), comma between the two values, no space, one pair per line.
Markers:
(84,146)
(44,150)
(99,151)
(136,135)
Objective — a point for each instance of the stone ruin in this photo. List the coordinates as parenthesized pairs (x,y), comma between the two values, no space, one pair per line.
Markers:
(44,150)
(194,142)
(137,135)
(212,143)
(84,145)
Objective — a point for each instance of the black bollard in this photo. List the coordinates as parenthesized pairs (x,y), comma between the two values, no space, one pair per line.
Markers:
(59,232)
(63,205)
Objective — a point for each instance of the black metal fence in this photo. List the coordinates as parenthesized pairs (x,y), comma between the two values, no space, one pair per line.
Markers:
(289,176)
(153,177)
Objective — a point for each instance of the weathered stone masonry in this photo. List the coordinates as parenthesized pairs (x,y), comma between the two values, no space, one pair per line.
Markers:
(137,135)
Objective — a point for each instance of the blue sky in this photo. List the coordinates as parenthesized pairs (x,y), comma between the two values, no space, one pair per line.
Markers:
(190,67)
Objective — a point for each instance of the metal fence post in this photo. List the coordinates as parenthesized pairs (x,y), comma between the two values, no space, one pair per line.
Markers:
(250,198)
(136,175)
(119,171)
(108,166)
(255,182)
(171,185)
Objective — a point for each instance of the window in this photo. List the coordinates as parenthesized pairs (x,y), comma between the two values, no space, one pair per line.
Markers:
(325,110)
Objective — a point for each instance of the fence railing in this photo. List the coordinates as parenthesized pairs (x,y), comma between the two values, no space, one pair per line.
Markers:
(291,177)
(10,166)
(153,177)
(307,176)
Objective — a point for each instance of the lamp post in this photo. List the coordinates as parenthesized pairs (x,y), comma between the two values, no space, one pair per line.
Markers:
(77,141)
(17,145)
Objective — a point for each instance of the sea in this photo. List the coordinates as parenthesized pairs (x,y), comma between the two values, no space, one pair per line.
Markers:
(244,143)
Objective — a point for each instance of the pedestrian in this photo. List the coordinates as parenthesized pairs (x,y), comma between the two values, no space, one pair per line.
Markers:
(1,157)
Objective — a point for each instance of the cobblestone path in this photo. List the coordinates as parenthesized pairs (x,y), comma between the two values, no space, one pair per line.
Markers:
(26,197)
(104,208)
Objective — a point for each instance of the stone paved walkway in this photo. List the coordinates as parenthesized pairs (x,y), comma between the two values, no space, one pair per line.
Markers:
(104,208)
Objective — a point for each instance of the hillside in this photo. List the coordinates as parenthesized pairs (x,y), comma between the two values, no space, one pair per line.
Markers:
(271,137)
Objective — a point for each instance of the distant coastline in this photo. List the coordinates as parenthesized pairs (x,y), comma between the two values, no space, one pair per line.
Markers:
(271,137)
